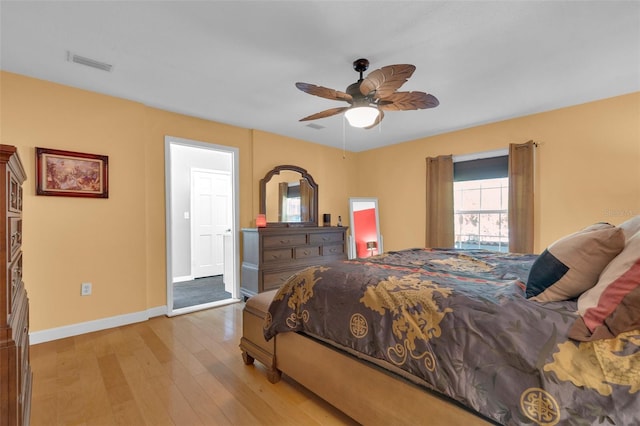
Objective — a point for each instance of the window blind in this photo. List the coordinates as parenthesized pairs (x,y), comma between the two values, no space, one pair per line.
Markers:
(483,168)
(294,191)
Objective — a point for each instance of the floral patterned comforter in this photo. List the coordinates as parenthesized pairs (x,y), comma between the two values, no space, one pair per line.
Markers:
(457,322)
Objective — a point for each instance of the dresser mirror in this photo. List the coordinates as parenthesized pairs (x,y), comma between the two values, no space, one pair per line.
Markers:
(289,197)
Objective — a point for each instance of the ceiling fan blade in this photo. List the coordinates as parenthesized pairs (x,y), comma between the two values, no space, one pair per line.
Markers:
(324,92)
(325,113)
(385,81)
(378,120)
(403,101)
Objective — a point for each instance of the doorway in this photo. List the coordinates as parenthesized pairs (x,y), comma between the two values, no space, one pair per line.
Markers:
(201,225)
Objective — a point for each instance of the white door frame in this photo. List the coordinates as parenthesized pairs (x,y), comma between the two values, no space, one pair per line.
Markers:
(235,219)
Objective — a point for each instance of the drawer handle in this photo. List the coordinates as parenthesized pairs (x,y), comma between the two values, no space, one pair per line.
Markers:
(275,256)
(326,238)
(306,252)
(284,241)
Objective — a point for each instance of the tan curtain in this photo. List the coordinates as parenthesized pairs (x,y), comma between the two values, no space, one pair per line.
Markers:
(283,193)
(305,198)
(439,221)
(521,197)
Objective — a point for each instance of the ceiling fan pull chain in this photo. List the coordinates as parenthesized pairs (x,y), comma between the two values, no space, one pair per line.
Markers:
(344,138)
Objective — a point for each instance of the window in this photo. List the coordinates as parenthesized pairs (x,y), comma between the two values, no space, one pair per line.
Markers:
(480,214)
(292,204)
(480,203)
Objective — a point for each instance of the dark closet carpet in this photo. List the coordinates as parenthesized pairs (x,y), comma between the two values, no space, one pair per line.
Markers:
(199,291)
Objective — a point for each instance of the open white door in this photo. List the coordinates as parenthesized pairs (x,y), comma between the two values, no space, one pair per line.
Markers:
(228,277)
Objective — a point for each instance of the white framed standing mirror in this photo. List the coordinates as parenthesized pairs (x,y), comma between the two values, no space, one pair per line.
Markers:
(365,239)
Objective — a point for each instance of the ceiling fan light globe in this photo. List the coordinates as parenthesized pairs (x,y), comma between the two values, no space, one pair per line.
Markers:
(361,116)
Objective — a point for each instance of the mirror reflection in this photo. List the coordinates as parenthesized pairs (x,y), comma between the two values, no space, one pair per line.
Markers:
(288,195)
(365,240)
(288,198)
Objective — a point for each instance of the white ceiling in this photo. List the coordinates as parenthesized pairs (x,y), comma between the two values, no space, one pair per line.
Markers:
(236,62)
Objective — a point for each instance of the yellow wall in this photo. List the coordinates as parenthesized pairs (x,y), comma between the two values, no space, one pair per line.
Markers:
(119,243)
(587,169)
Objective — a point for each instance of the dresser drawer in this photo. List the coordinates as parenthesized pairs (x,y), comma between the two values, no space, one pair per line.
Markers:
(15,194)
(15,281)
(23,343)
(25,401)
(15,235)
(326,238)
(333,249)
(274,255)
(270,241)
(273,280)
(23,361)
(307,252)
(23,349)
(18,319)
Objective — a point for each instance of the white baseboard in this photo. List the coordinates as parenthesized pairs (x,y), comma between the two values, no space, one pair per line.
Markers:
(183,279)
(42,336)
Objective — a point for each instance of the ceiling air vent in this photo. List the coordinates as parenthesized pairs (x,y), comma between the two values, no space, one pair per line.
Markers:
(82,60)
(315,126)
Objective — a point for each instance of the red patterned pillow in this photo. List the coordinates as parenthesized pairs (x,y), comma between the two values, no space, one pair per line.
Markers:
(612,306)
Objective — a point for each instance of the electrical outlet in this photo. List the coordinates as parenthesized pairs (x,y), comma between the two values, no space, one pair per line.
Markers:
(85,289)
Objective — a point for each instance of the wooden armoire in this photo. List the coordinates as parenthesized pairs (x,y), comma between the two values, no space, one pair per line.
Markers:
(15,370)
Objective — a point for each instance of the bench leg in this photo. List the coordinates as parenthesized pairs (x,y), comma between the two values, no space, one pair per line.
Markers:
(273,374)
(248,359)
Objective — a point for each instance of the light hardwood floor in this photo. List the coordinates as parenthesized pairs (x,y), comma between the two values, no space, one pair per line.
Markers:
(185,370)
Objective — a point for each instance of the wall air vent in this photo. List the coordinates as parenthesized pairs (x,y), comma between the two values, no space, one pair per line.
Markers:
(82,60)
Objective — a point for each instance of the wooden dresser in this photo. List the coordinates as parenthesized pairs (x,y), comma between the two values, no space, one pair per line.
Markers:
(15,371)
(271,255)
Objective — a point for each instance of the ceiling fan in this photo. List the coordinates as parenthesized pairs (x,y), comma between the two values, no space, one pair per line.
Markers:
(369,97)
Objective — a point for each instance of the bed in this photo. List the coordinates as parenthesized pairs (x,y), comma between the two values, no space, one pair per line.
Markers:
(459,336)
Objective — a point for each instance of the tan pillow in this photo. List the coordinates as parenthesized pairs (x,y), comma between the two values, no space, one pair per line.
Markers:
(612,306)
(573,264)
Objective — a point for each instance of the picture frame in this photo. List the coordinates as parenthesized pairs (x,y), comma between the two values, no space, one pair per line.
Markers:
(71,174)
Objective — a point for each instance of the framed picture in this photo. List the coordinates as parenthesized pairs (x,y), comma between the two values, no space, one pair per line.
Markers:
(71,174)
